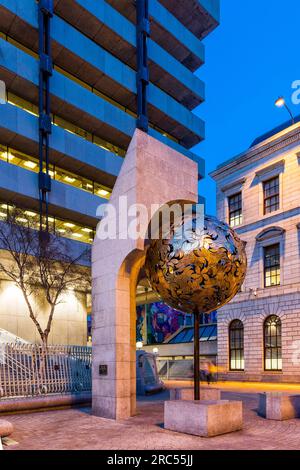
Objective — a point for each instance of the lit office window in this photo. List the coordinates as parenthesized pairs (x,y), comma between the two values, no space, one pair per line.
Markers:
(272,265)
(28,162)
(272,343)
(236,345)
(63,227)
(271,195)
(235,210)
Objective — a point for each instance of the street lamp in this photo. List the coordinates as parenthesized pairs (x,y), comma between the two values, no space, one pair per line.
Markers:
(139,345)
(280,103)
(155,351)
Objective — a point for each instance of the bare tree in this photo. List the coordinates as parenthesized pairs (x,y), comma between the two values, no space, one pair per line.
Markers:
(42,264)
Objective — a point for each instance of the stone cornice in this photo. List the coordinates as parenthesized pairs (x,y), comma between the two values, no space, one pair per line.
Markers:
(270,232)
(275,166)
(235,184)
(257,153)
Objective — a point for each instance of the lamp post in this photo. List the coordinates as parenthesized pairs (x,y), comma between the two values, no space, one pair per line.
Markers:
(281,103)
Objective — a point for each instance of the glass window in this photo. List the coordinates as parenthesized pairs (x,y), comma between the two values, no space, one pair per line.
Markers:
(236,345)
(65,228)
(272,265)
(272,343)
(235,210)
(28,162)
(271,195)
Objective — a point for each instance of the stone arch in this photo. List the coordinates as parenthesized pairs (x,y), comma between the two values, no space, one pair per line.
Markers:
(270,233)
(149,175)
(236,316)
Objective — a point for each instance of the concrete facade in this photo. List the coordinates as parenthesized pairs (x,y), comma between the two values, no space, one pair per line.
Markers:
(93,95)
(275,156)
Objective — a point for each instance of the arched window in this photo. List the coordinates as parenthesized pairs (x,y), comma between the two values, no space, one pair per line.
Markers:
(236,345)
(272,343)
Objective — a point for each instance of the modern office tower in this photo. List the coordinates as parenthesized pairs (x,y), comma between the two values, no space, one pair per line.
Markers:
(80,76)
(258,194)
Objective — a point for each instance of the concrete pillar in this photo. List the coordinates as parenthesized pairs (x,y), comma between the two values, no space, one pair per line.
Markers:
(152,173)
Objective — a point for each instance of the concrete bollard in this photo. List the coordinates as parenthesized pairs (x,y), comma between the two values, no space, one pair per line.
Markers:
(204,419)
(187,393)
(279,406)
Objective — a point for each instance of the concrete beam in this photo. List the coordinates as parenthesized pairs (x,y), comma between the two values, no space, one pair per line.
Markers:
(71,101)
(168,32)
(107,27)
(95,66)
(19,130)
(199,16)
(19,186)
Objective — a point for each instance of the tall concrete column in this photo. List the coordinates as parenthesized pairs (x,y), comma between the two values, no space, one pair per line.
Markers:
(152,173)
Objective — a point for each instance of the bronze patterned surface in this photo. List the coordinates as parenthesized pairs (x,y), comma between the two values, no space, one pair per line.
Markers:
(204,269)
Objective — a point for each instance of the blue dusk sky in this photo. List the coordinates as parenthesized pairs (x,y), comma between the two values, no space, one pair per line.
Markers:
(251,59)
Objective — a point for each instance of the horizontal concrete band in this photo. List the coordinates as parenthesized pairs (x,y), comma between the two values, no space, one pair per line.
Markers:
(166,30)
(49,401)
(119,26)
(22,185)
(199,16)
(70,99)
(107,15)
(19,130)
(83,57)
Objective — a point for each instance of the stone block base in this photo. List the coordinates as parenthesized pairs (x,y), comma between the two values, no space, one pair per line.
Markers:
(203,418)
(279,406)
(6,428)
(206,393)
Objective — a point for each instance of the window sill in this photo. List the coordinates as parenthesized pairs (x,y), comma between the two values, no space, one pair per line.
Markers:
(272,372)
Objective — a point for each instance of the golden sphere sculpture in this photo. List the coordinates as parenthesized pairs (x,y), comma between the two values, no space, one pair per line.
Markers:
(200,271)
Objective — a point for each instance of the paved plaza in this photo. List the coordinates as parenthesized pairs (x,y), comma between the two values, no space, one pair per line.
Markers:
(78,429)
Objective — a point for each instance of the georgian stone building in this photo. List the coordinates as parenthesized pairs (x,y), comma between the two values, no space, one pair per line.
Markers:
(258,194)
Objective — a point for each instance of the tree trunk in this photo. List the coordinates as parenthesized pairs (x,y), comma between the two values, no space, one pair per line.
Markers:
(43,364)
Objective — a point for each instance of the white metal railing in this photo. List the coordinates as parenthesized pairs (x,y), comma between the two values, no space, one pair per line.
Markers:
(28,370)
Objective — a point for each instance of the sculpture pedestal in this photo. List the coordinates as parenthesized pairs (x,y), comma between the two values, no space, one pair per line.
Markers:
(206,393)
(204,419)
(6,428)
(279,406)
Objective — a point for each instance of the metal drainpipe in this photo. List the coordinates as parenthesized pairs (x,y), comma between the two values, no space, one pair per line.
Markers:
(45,13)
(142,35)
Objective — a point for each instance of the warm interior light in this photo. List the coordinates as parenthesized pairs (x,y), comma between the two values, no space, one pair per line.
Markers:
(22,220)
(139,345)
(30,164)
(30,214)
(103,192)
(87,230)
(280,102)
(3,214)
(51,219)
(68,179)
(7,156)
(69,225)
(61,230)
(77,235)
